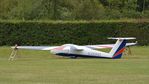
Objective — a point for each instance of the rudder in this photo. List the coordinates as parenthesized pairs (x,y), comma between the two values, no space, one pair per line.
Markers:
(120,50)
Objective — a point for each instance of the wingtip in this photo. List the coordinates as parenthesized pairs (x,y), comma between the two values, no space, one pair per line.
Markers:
(15,47)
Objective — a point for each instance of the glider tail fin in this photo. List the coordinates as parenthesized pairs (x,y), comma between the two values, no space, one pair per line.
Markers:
(119,47)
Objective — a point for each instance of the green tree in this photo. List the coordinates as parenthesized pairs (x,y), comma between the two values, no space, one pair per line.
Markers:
(5,7)
(89,9)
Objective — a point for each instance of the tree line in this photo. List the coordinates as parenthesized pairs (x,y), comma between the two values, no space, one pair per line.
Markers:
(73,9)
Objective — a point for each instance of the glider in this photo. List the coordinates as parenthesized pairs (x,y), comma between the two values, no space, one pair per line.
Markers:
(74,51)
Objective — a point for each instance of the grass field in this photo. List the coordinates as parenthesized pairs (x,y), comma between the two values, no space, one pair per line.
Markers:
(40,67)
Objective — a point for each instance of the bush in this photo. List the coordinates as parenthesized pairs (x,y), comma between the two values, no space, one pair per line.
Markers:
(83,33)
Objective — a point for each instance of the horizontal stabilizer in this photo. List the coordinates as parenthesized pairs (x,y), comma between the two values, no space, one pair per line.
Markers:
(122,38)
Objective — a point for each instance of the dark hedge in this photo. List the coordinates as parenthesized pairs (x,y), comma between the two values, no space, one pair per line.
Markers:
(83,33)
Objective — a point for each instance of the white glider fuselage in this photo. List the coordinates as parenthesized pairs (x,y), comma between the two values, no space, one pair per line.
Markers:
(71,50)
(81,51)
